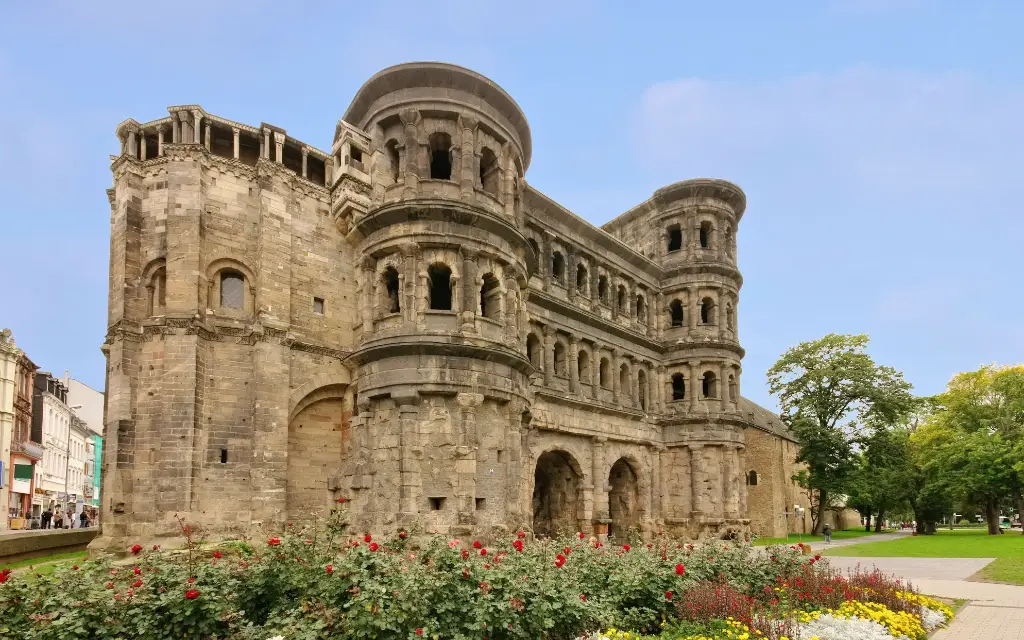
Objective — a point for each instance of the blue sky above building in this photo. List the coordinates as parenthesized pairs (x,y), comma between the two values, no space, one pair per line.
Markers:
(880,143)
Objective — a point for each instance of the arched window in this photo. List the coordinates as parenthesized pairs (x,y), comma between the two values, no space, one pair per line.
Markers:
(624,381)
(232,290)
(675,310)
(641,309)
(490,296)
(752,478)
(581,278)
(678,387)
(605,373)
(709,385)
(560,369)
(622,299)
(536,248)
(557,267)
(391,151)
(392,301)
(440,287)
(675,238)
(489,171)
(602,288)
(440,156)
(641,391)
(158,292)
(707,311)
(705,234)
(533,350)
(583,366)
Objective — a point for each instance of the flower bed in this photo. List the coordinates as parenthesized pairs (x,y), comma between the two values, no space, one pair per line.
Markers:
(308,583)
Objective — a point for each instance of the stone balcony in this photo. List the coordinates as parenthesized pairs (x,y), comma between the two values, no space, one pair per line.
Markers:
(28,448)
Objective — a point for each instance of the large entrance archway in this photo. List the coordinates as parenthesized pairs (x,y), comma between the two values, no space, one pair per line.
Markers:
(623,500)
(556,494)
(317,436)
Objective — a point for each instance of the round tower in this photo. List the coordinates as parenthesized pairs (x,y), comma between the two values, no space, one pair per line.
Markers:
(427,193)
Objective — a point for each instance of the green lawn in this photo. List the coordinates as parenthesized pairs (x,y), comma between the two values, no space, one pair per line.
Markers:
(808,538)
(46,564)
(1007,549)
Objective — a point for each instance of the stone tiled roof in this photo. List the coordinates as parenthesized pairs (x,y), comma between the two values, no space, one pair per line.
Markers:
(763,419)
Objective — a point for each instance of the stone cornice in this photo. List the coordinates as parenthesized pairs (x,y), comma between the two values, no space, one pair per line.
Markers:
(439,344)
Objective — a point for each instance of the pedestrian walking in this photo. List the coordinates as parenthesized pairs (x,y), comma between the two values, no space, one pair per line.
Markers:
(57,519)
(827,530)
(45,518)
(83,520)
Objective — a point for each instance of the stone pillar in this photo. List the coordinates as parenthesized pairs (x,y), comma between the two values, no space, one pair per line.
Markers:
(659,388)
(409,477)
(595,279)
(698,472)
(549,354)
(305,158)
(466,460)
(410,120)
(265,150)
(369,280)
(467,176)
(634,382)
(723,386)
(160,141)
(613,295)
(175,128)
(659,316)
(663,459)
(656,482)
(545,259)
(407,289)
(142,145)
(741,455)
(508,180)
(595,371)
(616,391)
(574,369)
(279,147)
(601,513)
(728,484)
(209,135)
(470,290)
(570,273)
(235,142)
(695,385)
(328,171)
(694,309)
(197,119)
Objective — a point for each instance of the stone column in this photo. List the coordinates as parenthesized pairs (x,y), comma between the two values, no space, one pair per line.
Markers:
(142,145)
(209,135)
(570,274)
(408,496)
(741,455)
(694,308)
(175,128)
(544,259)
(160,140)
(574,368)
(197,119)
(470,290)
(723,386)
(728,485)
(634,382)
(595,371)
(369,278)
(695,385)
(328,171)
(235,141)
(407,290)
(508,180)
(595,278)
(549,354)
(616,398)
(465,463)
(601,513)
(467,176)
(305,158)
(658,317)
(613,295)
(663,459)
(410,120)
(656,482)
(279,147)
(265,152)
(698,474)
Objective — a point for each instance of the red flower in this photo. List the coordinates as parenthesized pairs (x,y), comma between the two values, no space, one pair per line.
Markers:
(274,541)
(192,580)
(483,552)
(402,535)
(74,568)
(668,595)
(567,551)
(136,548)
(476,544)
(367,538)
(329,568)
(465,553)
(138,570)
(340,500)
(192,594)
(583,597)
(625,547)
(559,560)
(110,585)
(680,569)
(521,534)
(419,631)
(373,546)
(217,554)
(4,574)
(580,534)
(137,584)
(517,545)
(156,547)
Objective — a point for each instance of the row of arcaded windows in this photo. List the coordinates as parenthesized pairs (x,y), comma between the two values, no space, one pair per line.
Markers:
(440,291)
(704,236)
(441,156)
(708,313)
(230,292)
(708,386)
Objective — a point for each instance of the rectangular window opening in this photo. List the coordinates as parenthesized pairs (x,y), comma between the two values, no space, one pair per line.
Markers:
(501,456)
(318,306)
(436,504)
(223,456)
(481,504)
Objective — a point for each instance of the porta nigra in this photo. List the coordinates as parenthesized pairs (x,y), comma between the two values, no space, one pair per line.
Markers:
(403,322)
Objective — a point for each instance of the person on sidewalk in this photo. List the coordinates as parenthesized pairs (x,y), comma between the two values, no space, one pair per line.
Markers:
(44,519)
(827,530)
(83,520)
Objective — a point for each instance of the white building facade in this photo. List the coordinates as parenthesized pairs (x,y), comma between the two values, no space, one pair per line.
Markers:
(56,418)
(89,407)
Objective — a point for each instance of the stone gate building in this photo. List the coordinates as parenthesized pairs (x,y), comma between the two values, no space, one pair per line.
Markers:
(403,322)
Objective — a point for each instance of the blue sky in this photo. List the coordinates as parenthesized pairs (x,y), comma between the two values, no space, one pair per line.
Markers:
(880,143)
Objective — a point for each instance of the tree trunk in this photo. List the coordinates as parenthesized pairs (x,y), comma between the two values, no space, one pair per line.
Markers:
(992,517)
(1019,503)
(878,522)
(867,523)
(816,521)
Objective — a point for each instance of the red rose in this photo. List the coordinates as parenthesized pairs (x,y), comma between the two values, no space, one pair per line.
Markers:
(330,569)
(136,548)
(465,553)
(583,597)
(476,544)
(401,534)
(559,560)
(192,594)
(367,538)
(340,500)
(110,585)
(217,554)
(680,570)
(156,547)
(580,534)
(373,546)
(521,534)
(668,595)
(419,631)
(274,541)
(483,552)
(74,568)
(138,570)
(137,584)
(517,545)
(625,547)
(192,580)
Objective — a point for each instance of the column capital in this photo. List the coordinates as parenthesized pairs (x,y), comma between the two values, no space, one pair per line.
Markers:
(468,123)
(235,130)
(469,400)
(409,116)
(280,137)
(549,331)
(600,441)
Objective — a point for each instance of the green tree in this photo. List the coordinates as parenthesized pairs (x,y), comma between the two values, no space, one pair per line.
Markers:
(828,390)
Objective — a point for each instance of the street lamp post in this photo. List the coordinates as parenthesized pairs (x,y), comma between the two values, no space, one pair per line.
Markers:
(67,460)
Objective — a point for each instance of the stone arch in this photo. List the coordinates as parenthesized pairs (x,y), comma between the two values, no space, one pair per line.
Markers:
(534,350)
(707,311)
(582,281)
(154,278)
(557,495)
(441,161)
(560,359)
(440,290)
(625,497)
(318,433)
(675,310)
(583,366)
(214,273)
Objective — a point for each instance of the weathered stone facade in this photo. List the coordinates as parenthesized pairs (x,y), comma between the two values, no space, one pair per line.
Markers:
(404,323)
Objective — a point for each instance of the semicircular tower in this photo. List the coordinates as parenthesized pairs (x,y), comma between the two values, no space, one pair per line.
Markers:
(431,160)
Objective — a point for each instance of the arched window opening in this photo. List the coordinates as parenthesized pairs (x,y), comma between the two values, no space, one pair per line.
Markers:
(232,290)
(440,287)
(641,391)
(391,150)
(605,373)
(705,234)
(675,238)
(622,298)
(709,385)
(624,385)
(392,302)
(158,292)
(489,171)
(490,296)
(678,387)
(581,278)
(752,478)
(675,309)
(557,266)
(707,311)
(583,366)
(440,156)
(533,245)
(641,309)
(560,369)
(533,350)
(602,289)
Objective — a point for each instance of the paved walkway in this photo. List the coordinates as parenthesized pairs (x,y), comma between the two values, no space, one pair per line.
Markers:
(993,611)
